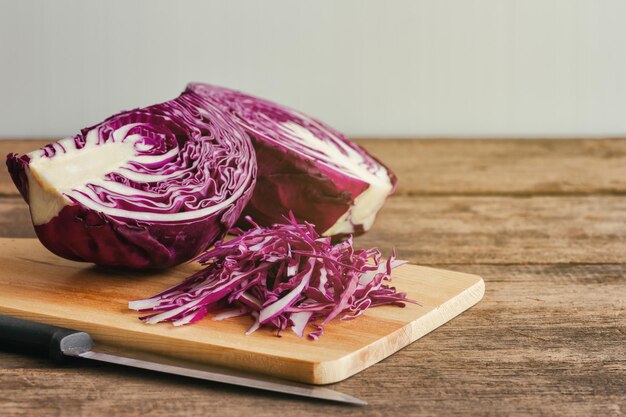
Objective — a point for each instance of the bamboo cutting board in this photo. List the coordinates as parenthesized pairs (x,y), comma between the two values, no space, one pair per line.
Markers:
(37,285)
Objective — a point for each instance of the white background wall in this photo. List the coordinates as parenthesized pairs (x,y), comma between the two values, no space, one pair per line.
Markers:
(409,68)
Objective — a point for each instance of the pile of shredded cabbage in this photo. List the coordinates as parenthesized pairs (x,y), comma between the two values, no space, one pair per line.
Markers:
(285,275)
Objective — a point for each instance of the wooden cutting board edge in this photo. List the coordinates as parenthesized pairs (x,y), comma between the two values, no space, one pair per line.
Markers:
(301,371)
(327,366)
(318,373)
(337,370)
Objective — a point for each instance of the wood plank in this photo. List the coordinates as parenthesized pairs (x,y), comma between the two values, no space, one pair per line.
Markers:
(37,285)
(490,166)
(468,229)
(474,166)
(15,218)
(494,229)
(546,340)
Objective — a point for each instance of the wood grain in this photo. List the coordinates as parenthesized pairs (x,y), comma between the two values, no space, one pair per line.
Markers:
(532,346)
(37,285)
(526,167)
(15,218)
(503,229)
(547,339)
(471,229)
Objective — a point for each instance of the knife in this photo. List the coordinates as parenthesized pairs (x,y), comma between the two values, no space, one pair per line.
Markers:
(58,343)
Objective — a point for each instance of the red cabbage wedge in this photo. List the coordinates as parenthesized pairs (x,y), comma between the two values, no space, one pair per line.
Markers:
(285,275)
(147,188)
(305,167)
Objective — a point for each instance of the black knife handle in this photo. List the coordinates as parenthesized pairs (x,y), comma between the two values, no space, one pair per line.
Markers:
(54,342)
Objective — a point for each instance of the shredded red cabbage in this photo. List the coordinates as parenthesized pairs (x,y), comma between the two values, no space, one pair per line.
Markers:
(285,275)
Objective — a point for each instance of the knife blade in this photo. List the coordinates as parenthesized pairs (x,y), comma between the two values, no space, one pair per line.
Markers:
(58,343)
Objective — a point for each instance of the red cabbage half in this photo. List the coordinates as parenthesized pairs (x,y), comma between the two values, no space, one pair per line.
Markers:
(305,167)
(146,188)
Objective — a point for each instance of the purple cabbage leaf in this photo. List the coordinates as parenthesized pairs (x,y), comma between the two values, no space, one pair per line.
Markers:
(305,167)
(147,188)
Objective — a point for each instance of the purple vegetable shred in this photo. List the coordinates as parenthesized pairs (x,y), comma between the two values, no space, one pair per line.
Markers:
(282,276)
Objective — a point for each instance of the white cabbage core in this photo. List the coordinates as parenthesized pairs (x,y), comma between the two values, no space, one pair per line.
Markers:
(351,163)
(71,175)
(51,180)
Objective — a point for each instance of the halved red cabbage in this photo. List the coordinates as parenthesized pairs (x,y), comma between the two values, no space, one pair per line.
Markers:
(146,188)
(305,167)
(282,276)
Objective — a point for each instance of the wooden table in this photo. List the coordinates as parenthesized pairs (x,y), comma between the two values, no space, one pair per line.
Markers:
(543,221)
